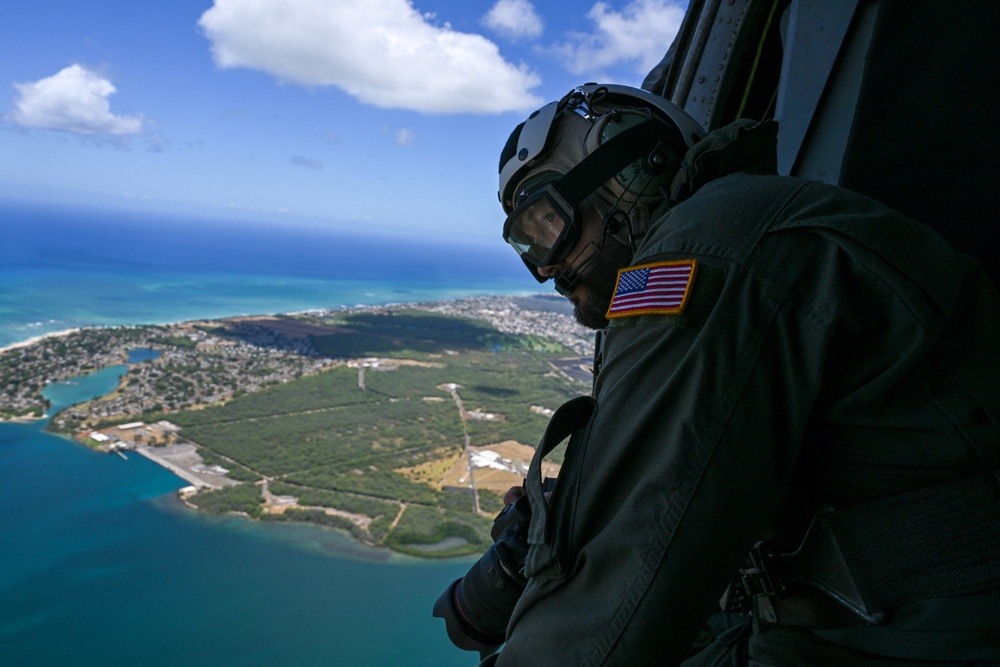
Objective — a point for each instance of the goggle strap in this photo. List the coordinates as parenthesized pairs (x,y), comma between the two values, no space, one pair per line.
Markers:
(600,166)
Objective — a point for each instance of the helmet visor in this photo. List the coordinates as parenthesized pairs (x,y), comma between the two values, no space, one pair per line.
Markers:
(542,229)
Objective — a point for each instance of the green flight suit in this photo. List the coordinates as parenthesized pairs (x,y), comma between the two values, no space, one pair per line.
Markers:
(828,352)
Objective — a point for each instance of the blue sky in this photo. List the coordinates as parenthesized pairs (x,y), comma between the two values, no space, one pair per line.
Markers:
(386,114)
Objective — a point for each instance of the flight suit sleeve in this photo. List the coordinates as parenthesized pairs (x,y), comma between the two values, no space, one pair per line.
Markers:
(689,454)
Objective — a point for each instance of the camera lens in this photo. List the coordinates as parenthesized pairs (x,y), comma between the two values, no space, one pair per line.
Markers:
(477,607)
(488,593)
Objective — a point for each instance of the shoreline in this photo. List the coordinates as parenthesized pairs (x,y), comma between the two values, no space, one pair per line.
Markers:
(175,469)
(188,476)
(38,339)
(360,305)
(24,420)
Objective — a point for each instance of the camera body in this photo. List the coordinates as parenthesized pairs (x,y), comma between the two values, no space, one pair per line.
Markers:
(477,607)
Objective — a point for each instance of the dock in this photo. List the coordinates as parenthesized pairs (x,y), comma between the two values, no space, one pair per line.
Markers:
(179,459)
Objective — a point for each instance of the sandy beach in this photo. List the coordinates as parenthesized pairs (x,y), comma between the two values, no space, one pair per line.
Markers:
(38,339)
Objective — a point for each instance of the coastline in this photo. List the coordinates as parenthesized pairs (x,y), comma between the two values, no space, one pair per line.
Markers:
(179,470)
(24,420)
(242,348)
(38,339)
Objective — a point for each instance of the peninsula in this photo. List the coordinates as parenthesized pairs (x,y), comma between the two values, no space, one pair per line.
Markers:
(403,424)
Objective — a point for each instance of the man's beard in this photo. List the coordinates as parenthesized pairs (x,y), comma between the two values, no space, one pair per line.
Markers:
(598,280)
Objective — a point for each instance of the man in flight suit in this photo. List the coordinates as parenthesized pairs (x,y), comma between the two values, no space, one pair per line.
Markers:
(784,366)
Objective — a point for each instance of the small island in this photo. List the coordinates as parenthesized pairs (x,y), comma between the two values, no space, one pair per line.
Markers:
(401,424)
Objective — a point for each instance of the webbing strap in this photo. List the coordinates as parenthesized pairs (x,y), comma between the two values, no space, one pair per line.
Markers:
(569,421)
(937,542)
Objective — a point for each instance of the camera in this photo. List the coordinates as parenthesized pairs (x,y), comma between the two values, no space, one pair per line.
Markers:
(477,607)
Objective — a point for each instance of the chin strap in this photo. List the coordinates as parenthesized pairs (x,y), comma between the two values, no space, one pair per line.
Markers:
(566,281)
(633,224)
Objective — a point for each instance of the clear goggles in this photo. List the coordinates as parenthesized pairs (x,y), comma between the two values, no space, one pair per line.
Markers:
(543,228)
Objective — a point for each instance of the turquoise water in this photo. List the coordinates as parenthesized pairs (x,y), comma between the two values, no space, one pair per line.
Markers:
(65,268)
(99,563)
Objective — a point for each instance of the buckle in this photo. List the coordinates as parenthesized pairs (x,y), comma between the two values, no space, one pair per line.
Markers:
(818,564)
(765,576)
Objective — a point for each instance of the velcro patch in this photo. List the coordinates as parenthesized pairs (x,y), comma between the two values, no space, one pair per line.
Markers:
(661,288)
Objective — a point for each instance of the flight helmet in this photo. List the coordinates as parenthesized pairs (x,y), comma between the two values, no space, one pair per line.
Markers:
(614,146)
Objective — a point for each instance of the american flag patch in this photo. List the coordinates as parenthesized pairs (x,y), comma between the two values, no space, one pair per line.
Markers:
(652,289)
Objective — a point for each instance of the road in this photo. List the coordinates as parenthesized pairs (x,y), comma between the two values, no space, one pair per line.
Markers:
(452,389)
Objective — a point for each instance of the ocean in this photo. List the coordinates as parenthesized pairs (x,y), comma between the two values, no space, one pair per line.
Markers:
(99,562)
(64,268)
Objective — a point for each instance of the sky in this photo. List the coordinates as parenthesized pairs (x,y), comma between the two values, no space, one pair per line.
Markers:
(377,114)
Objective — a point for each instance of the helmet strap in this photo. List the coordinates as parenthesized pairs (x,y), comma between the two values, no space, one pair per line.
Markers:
(604,163)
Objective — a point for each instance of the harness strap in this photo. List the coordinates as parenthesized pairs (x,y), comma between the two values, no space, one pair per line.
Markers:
(570,420)
(937,542)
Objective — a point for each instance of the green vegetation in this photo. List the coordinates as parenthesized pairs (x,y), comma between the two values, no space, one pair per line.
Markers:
(354,414)
(331,444)
(406,333)
(347,502)
(29,413)
(430,525)
(174,341)
(243,498)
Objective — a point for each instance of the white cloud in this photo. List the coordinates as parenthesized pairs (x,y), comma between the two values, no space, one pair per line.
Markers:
(73,100)
(382,52)
(640,33)
(514,19)
(405,137)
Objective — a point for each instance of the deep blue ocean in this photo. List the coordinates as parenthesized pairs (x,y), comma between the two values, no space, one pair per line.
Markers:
(63,268)
(99,563)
